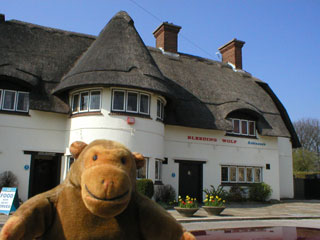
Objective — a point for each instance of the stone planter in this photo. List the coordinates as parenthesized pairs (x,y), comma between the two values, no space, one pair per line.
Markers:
(186,212)
(212,210)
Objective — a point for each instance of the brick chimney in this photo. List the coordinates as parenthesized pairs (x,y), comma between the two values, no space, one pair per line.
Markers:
(2,18)
(231,52)
(167,37)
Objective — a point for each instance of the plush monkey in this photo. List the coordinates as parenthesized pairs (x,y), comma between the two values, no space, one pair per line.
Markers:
(97,200)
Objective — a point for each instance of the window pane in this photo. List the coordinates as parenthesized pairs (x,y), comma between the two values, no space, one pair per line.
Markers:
(23,102)
(75,103)
(132,102)
(236,126)
(224,174)
(0,98)
(233,174)
(70,161)
(249,175)
(241,176)
(158,108)
(257,175)
(144,104)
(95,100)
(118,100)
(156,170)
(84,100)
(244,127)
(252,128)
(9,100)
(142,172)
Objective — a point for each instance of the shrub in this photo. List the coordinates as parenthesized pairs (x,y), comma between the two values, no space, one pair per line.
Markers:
(145,187)
(8,179)
(259,192)
(165,194)
(236,194)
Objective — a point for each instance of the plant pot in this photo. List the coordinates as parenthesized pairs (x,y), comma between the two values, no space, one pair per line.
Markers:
(212,210)
(186,212)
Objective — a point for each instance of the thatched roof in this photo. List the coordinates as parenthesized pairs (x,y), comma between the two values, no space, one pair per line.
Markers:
(200,92)
(118,57)
(37,57)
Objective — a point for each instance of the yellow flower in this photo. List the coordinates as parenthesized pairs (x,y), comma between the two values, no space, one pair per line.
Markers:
(195,199)
(224,201)
(206,200)
(217,196)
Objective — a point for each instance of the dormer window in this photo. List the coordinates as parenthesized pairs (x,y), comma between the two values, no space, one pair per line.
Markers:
(86,101)
(130,102)
(243,127)
(14,101)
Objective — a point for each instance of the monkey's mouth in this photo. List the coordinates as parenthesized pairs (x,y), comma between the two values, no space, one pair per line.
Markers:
(119,197)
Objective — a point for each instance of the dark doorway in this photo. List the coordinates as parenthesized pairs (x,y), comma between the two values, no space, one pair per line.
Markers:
(44,172)
(190,179)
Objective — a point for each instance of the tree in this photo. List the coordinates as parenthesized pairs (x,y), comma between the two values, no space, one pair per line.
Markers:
(307,158)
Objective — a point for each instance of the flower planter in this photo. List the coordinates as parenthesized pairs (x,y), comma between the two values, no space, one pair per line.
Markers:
(186,212)
(212,210)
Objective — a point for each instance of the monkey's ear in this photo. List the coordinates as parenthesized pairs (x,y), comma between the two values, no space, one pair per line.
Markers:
(139,158)
(76,148)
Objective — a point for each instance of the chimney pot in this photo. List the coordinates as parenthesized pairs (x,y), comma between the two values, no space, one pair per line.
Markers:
(167,37)
(2,18)
(231,52)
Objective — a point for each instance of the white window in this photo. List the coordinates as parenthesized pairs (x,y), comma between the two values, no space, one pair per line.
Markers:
(240,174)
(160,109)
(244,127)
(23,102)
(131,102)
(95,100)
(11,100)
(143,172)
(118,103)
(86,101)
(70,161)
(158,169)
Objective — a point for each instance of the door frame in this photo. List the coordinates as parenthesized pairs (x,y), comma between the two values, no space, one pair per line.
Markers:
(192,162)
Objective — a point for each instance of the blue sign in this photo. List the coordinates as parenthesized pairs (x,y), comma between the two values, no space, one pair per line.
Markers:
(173,174)
(256,143)
(26,167)
(8,200)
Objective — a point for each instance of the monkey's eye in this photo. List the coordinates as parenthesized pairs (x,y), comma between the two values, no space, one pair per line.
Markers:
(123,160)
(95,157)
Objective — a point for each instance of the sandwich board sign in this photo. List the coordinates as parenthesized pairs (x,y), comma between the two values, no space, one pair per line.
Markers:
(8,200)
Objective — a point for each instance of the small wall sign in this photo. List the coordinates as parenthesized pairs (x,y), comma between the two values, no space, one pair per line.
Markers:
(257,143)
(173,175)
(26,167)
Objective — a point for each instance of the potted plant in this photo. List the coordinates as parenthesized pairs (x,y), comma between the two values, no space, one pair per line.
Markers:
(187,207)
(214,205)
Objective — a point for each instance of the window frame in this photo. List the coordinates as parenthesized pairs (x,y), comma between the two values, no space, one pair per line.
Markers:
(161,117)
(80,94)
(148,107)
(159,170)
(146,168)
(124,100)
(246,181)
(137,103)
(17,101)
(90,97)
(240,133)
(14,100)
(1,92)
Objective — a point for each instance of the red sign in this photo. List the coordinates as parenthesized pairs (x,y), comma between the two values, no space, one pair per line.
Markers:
(131,120)
(207,139)
(229,141)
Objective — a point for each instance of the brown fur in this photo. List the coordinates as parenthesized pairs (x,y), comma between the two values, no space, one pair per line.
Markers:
(97,200)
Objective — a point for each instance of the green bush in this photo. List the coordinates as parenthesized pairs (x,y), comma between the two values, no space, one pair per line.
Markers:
(165,194)
(259,192)
(145,187)
(236,194)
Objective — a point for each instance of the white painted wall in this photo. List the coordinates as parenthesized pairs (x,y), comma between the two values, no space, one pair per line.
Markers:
(41,131)
(215,154)
(285,168)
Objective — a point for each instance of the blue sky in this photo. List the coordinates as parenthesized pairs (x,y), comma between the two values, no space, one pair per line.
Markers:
(282,37)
